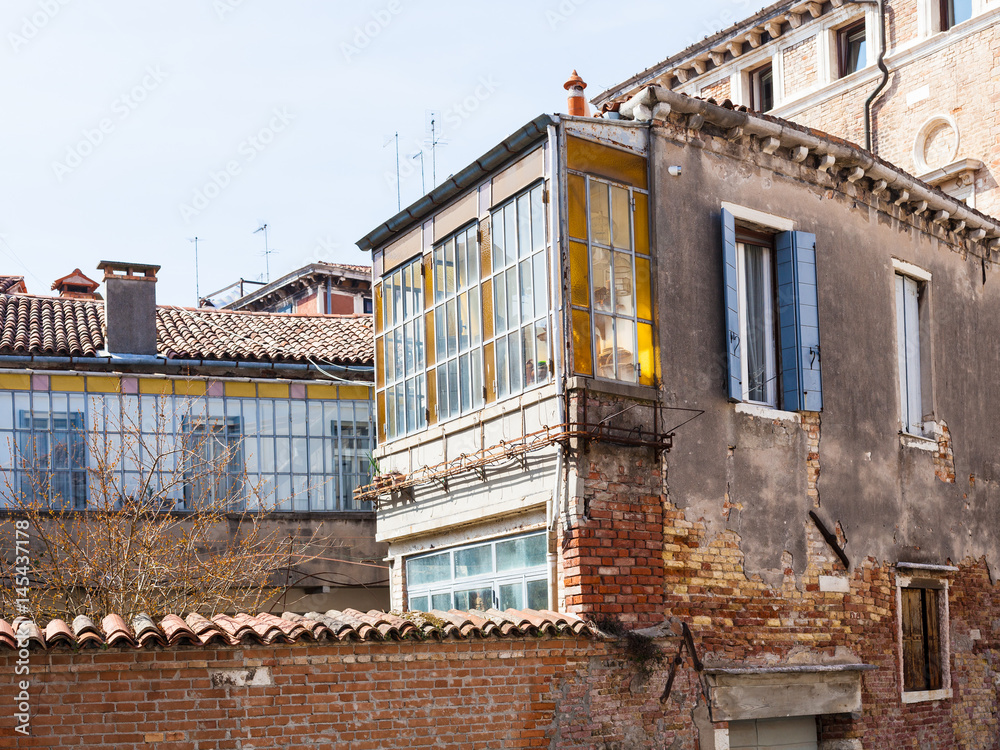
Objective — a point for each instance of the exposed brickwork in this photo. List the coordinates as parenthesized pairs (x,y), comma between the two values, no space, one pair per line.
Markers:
(720,91)
(944,458)
(509,693)
(611,553)
(800,64)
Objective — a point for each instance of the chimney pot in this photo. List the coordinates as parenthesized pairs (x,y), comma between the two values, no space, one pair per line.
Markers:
(576,103)
(130,309)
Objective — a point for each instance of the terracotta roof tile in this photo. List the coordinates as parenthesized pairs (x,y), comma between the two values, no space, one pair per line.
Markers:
(11,284)
(265,629)
(53,326)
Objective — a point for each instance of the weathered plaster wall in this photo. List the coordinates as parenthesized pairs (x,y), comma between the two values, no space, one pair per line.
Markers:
(888,497)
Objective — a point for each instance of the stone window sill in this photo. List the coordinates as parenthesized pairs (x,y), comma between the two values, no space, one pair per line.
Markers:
(919,442)
(922,696)
(767,412)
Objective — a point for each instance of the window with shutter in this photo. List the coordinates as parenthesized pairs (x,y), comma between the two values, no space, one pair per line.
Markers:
(771,317)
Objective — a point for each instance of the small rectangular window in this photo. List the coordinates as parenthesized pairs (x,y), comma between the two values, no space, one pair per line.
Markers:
(921,632)
(762,89)
(910,304)
(852,48)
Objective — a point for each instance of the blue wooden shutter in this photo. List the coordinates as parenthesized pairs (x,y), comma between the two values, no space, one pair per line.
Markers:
(734,383)
(798,318)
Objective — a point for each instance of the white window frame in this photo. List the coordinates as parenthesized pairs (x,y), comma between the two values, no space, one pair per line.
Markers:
(494,579)
(409,314)
(445,298)
(912,347)
(500,269)
(771,360)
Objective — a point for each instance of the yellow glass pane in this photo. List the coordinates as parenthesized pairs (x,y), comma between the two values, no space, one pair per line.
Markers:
(378,308)
(428,286)
(620,235)
(485,249)
(380,415)
(583,358)
(641,221)
(432,396)
(647,368)
(490,367)
(612,163)
(577,206)
(429,337)
(579,274)
(643,289)
(487,309)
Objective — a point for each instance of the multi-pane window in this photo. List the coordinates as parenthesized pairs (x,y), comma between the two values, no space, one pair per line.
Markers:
(500,574)
(402,351)
(522,345)
(458,330)
(909,305)
(51,449)
(79,450)
(611,281)
(852,48)
(213,460)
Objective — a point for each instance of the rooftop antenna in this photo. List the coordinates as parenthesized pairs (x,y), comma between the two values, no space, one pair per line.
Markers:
(267,250)
(423,184)
(435,141)
(197,287)
(388,139)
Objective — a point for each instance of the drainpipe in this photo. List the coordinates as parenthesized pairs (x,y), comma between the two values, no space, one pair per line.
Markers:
(329,297)
(558,365)
(882,66)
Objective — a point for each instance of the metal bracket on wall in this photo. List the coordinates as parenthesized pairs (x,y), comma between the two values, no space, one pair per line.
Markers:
(831,539)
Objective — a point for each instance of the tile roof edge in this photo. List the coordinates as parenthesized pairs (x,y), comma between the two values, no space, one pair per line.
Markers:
(266,629)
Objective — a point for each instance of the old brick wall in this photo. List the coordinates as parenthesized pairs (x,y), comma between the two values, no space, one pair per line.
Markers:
(490,693)
(612,542)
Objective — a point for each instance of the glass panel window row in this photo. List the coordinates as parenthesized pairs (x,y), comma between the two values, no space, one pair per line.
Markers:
(501,574)
(80,451)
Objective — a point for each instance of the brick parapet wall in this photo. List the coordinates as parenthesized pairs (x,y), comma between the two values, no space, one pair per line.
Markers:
(511,693)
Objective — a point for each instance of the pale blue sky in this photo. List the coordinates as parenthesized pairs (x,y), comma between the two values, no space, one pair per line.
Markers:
(120,117)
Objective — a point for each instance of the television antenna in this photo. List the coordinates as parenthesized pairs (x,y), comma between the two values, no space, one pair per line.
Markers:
(434,140)
(267,251)
(197,286)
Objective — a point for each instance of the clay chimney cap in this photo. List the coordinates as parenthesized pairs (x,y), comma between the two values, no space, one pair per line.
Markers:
(574,80)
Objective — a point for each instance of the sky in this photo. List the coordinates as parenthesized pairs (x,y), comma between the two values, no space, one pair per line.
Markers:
(129,128)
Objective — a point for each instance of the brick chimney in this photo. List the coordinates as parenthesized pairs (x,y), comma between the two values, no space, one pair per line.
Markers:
(576,103)
(130,310)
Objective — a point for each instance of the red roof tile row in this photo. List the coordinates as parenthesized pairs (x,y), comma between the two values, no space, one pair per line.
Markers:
(334,625)
(52,326)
